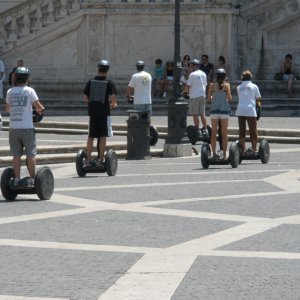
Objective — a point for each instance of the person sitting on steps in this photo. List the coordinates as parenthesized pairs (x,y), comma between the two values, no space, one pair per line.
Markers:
(287,70)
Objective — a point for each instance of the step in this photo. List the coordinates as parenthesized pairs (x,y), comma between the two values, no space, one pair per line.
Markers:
(121,129)
(46,159)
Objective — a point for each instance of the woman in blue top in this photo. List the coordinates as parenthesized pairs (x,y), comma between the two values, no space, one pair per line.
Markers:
(219,94)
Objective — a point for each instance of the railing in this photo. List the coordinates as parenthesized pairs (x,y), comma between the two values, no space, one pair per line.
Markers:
(30,16)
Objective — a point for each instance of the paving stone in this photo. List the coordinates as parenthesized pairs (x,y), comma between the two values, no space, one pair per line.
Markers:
(284,238)
(222,278)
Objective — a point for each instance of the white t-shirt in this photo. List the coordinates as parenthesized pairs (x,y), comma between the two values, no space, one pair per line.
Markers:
(248,92)
(197,82)
(20,99)
(141,83)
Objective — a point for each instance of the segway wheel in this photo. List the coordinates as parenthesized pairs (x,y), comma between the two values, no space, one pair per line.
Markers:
(192,134)
(205,154)
(234,155)
(153,135)
(44,183)
(81,156)
(264,151)
(111,162)
(6,177)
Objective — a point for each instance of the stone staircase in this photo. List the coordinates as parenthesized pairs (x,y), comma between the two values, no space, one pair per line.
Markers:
(53,154)
(64,98)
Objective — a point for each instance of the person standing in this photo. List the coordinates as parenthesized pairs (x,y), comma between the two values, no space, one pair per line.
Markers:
(11,77)
(158,77)
(140,86)
(100,94)
(248,94)
(219,94)
(19,102)
(207,68)
(2,77)
(168,77)
(196,88)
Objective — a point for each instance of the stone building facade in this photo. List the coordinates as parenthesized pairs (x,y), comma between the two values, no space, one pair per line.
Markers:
(62,40)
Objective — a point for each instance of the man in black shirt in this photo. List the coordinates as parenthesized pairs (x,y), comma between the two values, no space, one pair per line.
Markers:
(207,68)
(100,93)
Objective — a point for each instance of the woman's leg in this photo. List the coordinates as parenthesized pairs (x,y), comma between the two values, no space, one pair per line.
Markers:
(224,129)
(213,138)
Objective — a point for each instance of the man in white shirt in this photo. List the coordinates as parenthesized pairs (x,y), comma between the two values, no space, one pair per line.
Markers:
(19,102)
(196,88)
(248,94)
(140,85)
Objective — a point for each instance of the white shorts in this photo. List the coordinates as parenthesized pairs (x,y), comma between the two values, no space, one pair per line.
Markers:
(219,116)
(286,77)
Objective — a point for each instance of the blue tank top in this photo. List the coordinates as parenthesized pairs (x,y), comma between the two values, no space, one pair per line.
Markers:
(219,104)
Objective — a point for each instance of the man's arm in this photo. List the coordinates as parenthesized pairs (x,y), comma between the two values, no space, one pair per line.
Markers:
(113,99)
(129,91)
(85,98)
(38,106)
(7,107)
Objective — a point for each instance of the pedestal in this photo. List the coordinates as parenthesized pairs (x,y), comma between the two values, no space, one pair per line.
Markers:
(177,143)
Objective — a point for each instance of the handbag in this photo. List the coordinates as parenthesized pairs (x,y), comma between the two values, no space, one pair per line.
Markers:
(258,108)
(278,76)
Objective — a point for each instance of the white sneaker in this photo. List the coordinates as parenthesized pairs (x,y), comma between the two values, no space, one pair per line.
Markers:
(100,164)
(220,153)
(16,182)
(205,132)
(29,182)
(87,163)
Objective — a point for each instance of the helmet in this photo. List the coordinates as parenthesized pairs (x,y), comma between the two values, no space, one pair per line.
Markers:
(195,62)
(103,66)
(22,74)
(140,65)
(37,117)
(220,73)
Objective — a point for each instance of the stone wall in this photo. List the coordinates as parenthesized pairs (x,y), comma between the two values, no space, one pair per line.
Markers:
(250,34)
(265,34)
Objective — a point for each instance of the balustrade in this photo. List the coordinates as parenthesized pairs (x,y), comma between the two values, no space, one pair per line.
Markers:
(32,15)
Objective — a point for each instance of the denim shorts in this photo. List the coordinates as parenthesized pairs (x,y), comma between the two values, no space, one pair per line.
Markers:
(144,107)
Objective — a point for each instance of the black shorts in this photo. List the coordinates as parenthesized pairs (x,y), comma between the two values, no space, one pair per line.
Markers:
(99,127)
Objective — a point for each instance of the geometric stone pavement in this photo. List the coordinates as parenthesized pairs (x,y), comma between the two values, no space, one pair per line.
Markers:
(160,229)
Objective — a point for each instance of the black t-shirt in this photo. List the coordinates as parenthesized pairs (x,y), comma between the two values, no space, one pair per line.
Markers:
(96,108)
(206,69)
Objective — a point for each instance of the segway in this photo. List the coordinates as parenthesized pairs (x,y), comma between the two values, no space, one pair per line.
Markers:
(153,130)
(43,184)
(207,159)
(263,152)
(195,135)
(110,165)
